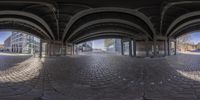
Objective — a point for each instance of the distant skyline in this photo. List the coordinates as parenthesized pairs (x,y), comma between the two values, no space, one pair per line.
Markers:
(4,35)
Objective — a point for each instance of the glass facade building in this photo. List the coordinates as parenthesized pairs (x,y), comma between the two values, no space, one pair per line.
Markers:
(23,43)
(113,45)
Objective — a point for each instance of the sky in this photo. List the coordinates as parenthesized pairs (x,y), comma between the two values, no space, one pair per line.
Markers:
(4,35)
(98,44)
(195,37)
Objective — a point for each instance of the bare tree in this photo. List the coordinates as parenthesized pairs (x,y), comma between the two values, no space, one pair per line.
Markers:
(185,39)
(183,42)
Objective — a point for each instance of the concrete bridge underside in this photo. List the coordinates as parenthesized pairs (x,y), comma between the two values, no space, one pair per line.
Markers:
(152,25)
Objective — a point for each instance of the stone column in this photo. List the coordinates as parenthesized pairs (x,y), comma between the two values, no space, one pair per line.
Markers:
(62,53)
(74,46)
(122,47)
(46,46)
(72,49)
(154,47)
(69,49)
(134,48)
(53,49)
(49,49)
(40,48)
(165,47)
(130,48)
(147,47)
(64,50)
(175,45)
(168,46)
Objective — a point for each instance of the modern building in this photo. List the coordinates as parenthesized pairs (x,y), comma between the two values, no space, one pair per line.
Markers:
(20,42)
(7,45)
(198,46)
(190,47)
(85,47)
(113,45)
(184,47)
(1,47)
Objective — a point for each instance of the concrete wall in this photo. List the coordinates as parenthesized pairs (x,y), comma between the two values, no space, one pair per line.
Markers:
(161,47)
(140,48)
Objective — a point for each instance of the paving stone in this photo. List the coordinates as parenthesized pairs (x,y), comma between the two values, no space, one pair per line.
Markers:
(99,77)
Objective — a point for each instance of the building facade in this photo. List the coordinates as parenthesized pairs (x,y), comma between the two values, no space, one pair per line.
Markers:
(198,46)
(7,45)
(19,42)
(1,47)
(85,47)
(187,47)
(113,45)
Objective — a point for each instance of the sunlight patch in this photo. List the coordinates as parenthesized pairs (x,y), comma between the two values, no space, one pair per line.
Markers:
(24,71)
(190,74)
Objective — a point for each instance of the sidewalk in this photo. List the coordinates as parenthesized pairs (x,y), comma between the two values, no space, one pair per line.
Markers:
(14,54)
(191,53)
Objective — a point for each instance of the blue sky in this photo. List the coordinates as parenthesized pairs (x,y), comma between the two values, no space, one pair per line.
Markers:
(195,37)
(4,35)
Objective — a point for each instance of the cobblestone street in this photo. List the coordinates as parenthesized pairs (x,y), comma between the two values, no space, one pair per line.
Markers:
(101,77)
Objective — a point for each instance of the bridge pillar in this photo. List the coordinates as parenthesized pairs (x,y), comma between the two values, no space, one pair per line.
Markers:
(63,50)
(175,47)
(168,46)
(122,47)
(72,48)
(154,47)
(49,48)
(69,49)
(53,48)
(130,48)
(165,47)
(172,46)
(41,42)
(134,48)
(147,47)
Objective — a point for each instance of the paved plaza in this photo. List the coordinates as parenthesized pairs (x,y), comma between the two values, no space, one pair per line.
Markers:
(100,77)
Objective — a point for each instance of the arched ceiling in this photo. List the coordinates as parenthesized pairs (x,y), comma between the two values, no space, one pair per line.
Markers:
(80,20)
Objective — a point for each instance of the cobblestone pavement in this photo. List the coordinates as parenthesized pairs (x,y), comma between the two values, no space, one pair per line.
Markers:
(102,77)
